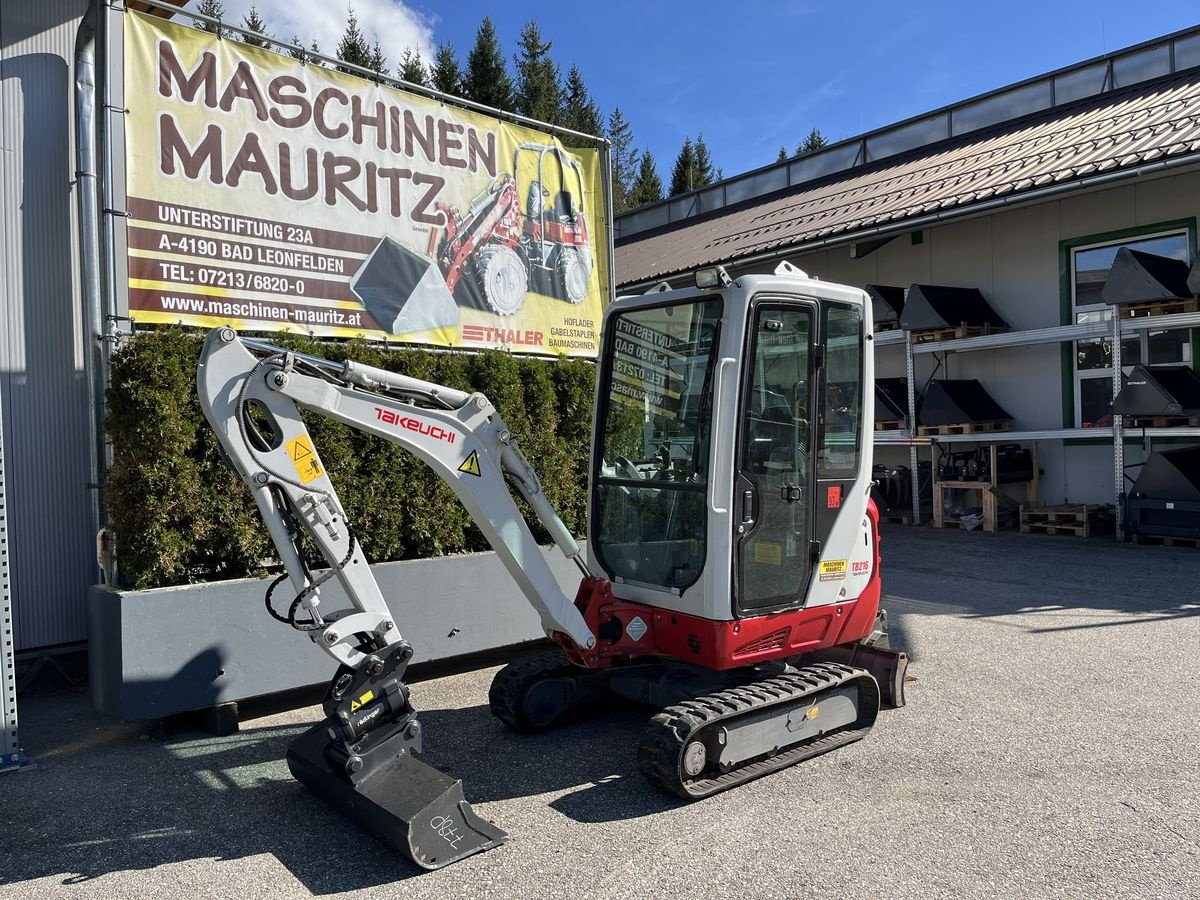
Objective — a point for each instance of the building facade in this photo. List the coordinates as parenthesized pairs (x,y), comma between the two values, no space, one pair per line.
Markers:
(1024,194)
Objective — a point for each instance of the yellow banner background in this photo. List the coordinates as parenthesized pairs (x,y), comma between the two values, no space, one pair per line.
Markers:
(259,187)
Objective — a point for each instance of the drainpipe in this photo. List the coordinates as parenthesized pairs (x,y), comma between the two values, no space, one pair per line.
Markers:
(87,192)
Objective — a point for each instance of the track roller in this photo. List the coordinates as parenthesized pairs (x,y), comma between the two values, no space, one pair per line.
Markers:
(717,741)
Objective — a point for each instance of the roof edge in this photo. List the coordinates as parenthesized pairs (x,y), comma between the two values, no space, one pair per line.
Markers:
(966,211)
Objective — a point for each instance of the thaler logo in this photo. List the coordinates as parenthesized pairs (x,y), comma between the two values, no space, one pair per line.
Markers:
(437,432)
(490,335)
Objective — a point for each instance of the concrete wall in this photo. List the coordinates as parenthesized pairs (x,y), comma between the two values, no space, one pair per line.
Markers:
(48,440)
(160,652)
(1013,258)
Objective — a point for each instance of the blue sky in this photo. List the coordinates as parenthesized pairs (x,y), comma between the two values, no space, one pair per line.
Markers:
(755,75)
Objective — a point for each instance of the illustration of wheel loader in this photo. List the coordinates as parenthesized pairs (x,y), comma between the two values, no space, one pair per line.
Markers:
(496,252)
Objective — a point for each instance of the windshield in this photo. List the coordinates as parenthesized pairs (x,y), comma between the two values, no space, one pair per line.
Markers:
(653,466)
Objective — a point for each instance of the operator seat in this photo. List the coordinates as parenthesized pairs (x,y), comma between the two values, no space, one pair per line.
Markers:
(564,206)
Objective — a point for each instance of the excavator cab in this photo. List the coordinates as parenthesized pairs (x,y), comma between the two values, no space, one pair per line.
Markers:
(717,493)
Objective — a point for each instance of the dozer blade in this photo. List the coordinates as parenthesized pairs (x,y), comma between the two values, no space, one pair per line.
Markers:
(410,806)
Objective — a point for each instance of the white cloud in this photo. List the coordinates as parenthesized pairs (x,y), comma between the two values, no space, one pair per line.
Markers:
(397,27)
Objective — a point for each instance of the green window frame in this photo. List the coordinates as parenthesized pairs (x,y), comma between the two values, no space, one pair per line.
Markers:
(1066,251)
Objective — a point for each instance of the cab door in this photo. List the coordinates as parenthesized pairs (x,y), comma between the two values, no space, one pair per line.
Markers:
(773,503)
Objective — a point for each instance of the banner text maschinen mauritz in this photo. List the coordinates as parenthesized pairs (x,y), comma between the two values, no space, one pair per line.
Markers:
(306,172)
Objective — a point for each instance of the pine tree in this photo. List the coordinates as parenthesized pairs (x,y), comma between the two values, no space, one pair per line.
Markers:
(648,188)
(783,154)
(353,47)
(299,52)
(684,175)
(214,9)
(624,159)
(706,172)
(445,74)
(580,112)
(378,61)
(314,47)
(412,68)
(814,141)
(539,92)
(486,80)
(252,21)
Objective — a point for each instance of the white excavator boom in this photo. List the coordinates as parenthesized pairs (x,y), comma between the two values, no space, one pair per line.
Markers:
(252,394)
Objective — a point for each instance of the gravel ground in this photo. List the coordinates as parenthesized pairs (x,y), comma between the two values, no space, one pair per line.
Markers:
(1049,749)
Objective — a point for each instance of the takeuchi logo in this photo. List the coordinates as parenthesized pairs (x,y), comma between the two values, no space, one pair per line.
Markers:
(437,432)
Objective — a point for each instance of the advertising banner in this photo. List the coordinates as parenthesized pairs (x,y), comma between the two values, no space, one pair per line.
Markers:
(271,195)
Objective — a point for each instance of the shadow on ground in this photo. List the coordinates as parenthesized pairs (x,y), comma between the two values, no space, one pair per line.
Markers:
(971,574)
(106,799)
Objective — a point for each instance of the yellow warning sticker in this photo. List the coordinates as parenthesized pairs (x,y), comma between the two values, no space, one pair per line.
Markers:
(471,465)
(361,701)
(833,570)
(812,713)
(304,458)
(768,553)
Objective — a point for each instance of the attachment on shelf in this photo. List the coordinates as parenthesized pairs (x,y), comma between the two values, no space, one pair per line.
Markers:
(1138,277)
(949,312)
(1159,391)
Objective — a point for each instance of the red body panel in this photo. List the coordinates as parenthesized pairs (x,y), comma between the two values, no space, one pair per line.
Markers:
(723,644)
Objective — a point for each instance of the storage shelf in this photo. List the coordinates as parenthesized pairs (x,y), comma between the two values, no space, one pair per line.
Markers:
(1056,334)
(1114,328)
(904,439)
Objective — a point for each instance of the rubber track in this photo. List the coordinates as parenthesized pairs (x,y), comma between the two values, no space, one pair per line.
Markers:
(507,693)
(662,744)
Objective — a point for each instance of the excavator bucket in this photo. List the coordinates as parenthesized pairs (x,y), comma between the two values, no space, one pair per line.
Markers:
(403,291)
(408,805)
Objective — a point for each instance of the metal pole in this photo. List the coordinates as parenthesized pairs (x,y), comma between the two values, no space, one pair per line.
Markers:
(95,358)
(11,757)
(1118,431)
(910,370)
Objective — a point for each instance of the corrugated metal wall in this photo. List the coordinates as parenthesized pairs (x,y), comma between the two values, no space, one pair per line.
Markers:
(47,443)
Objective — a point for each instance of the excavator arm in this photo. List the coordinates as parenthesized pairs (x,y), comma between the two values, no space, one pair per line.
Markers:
(360,758)
(252,394)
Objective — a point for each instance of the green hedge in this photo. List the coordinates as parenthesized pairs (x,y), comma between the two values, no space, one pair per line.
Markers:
(181,515)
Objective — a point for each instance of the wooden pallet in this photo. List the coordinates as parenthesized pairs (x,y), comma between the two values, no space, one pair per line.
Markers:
(1160,422)
(1152,540)
(967,427)
(1157,308)
(890,425)
(1003,522)
(896,519)
(887,326)
(1079,519)
(953,332)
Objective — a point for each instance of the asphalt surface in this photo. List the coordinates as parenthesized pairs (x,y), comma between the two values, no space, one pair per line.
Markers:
(1049,749)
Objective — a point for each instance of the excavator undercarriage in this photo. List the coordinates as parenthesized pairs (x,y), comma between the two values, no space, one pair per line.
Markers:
(715,730)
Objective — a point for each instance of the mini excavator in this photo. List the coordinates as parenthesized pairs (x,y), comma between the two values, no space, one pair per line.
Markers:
(731,573)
